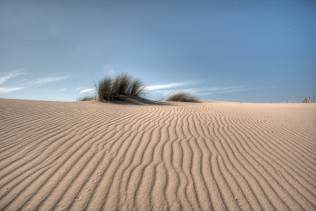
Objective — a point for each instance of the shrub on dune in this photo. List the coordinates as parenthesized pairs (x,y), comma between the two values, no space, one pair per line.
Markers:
(309,100)
(119,87)
(120,84)
(87,98)
(182,97)
(136,88)
(104,89)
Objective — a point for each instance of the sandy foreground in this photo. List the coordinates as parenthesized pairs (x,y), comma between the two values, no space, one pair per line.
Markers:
(184,156)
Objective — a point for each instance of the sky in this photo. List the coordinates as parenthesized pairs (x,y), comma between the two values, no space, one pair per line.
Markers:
(248,51)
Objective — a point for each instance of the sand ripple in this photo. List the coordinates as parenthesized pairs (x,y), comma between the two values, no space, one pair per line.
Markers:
(199,156)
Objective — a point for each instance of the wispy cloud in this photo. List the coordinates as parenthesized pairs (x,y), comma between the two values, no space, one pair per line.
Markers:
(9,83)
(47,80)
(168,86)
(219,90)
(10,89)
(194,88)
(88,90)
(9,76)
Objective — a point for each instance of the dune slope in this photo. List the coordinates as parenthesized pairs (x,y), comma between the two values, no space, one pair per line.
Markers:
(191,156)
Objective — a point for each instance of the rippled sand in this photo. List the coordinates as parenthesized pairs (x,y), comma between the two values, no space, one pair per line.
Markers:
(183,156)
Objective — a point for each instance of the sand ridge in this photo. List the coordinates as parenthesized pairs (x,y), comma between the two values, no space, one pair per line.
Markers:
(183,156)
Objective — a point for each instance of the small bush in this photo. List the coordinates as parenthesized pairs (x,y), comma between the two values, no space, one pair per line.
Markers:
(87,98)
(119,87)
(182,97)
(136,88)
(120,84)
(309,100)
(104,89)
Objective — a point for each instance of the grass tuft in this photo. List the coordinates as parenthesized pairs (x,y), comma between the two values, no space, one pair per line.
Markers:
(119,87)
(182,97)
(104,89)
(136,88)
(309,100)
(87,98)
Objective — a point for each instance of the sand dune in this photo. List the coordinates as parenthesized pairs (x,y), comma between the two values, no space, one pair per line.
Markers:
(184,156)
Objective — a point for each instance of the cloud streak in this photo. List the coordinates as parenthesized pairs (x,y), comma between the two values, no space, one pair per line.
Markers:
(8,85)
(88,90)
(9,76)
(4,90)
(167,86)
(47,80)
(217,90)
(5,78)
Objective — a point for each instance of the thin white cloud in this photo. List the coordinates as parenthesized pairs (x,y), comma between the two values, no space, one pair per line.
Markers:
(10,89)
(197,91)
(215,90)
(9,76)
(8,85)
(88,90)
(188,86)
(47,80)
(167,86)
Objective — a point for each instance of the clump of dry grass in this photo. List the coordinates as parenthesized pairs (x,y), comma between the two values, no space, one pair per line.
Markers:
(182,97)
(136,88)
(87,98)
(309,100)
(109,89)
(104,89)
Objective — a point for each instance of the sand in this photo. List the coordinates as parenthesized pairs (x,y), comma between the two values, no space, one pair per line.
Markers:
(184,156)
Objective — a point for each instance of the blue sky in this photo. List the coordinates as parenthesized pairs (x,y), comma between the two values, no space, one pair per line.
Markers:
(250,51)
